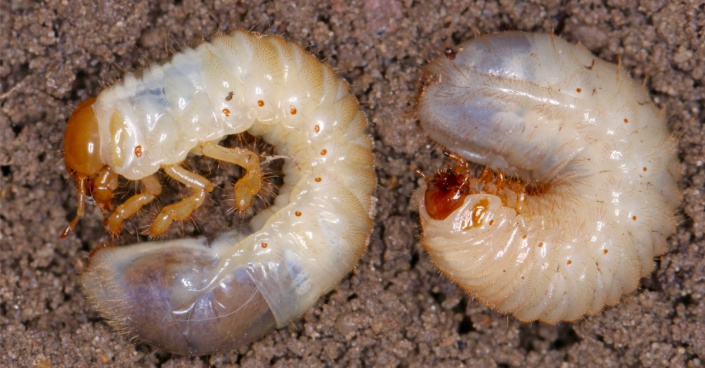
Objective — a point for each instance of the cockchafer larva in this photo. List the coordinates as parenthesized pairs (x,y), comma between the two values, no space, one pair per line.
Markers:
(187,296)
(585,191)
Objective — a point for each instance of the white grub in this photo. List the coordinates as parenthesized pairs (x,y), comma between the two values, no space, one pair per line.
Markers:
(187,296)
(587,148)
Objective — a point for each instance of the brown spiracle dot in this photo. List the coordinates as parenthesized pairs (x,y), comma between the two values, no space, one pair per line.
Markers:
(450,53)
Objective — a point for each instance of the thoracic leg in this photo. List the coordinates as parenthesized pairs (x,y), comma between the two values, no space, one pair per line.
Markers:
(151,190)
(181,210)
(249,185)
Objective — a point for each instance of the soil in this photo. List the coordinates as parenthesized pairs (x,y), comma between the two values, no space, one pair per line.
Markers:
(395,309)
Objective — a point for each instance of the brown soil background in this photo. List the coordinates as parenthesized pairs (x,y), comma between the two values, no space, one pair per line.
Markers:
(395,309)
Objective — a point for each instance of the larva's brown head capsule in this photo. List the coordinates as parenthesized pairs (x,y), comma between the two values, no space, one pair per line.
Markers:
(446,192)
(83,162)
(81,142)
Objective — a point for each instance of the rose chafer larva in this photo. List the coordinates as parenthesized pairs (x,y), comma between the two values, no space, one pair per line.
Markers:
(189,297)
(586,188)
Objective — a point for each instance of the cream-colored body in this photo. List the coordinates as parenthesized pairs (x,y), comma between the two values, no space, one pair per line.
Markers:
(179,294)
(561,119)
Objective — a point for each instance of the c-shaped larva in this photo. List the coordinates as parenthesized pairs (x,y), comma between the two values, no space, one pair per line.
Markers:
(187,296)
(585,191)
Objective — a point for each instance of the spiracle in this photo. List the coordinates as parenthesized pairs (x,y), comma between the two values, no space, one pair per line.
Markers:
(187,296)
(584,190)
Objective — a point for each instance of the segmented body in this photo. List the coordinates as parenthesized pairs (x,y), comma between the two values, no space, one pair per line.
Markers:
(190,297)
(596,160)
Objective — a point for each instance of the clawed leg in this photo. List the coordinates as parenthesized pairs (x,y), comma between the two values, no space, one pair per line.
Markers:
(181,210)
(249,185)
(151,190)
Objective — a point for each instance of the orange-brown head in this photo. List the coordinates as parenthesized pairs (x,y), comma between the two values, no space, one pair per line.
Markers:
(82,143)
(446,192)
(83,162)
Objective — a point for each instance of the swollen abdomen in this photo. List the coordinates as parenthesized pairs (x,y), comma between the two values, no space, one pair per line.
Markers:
(174,295)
